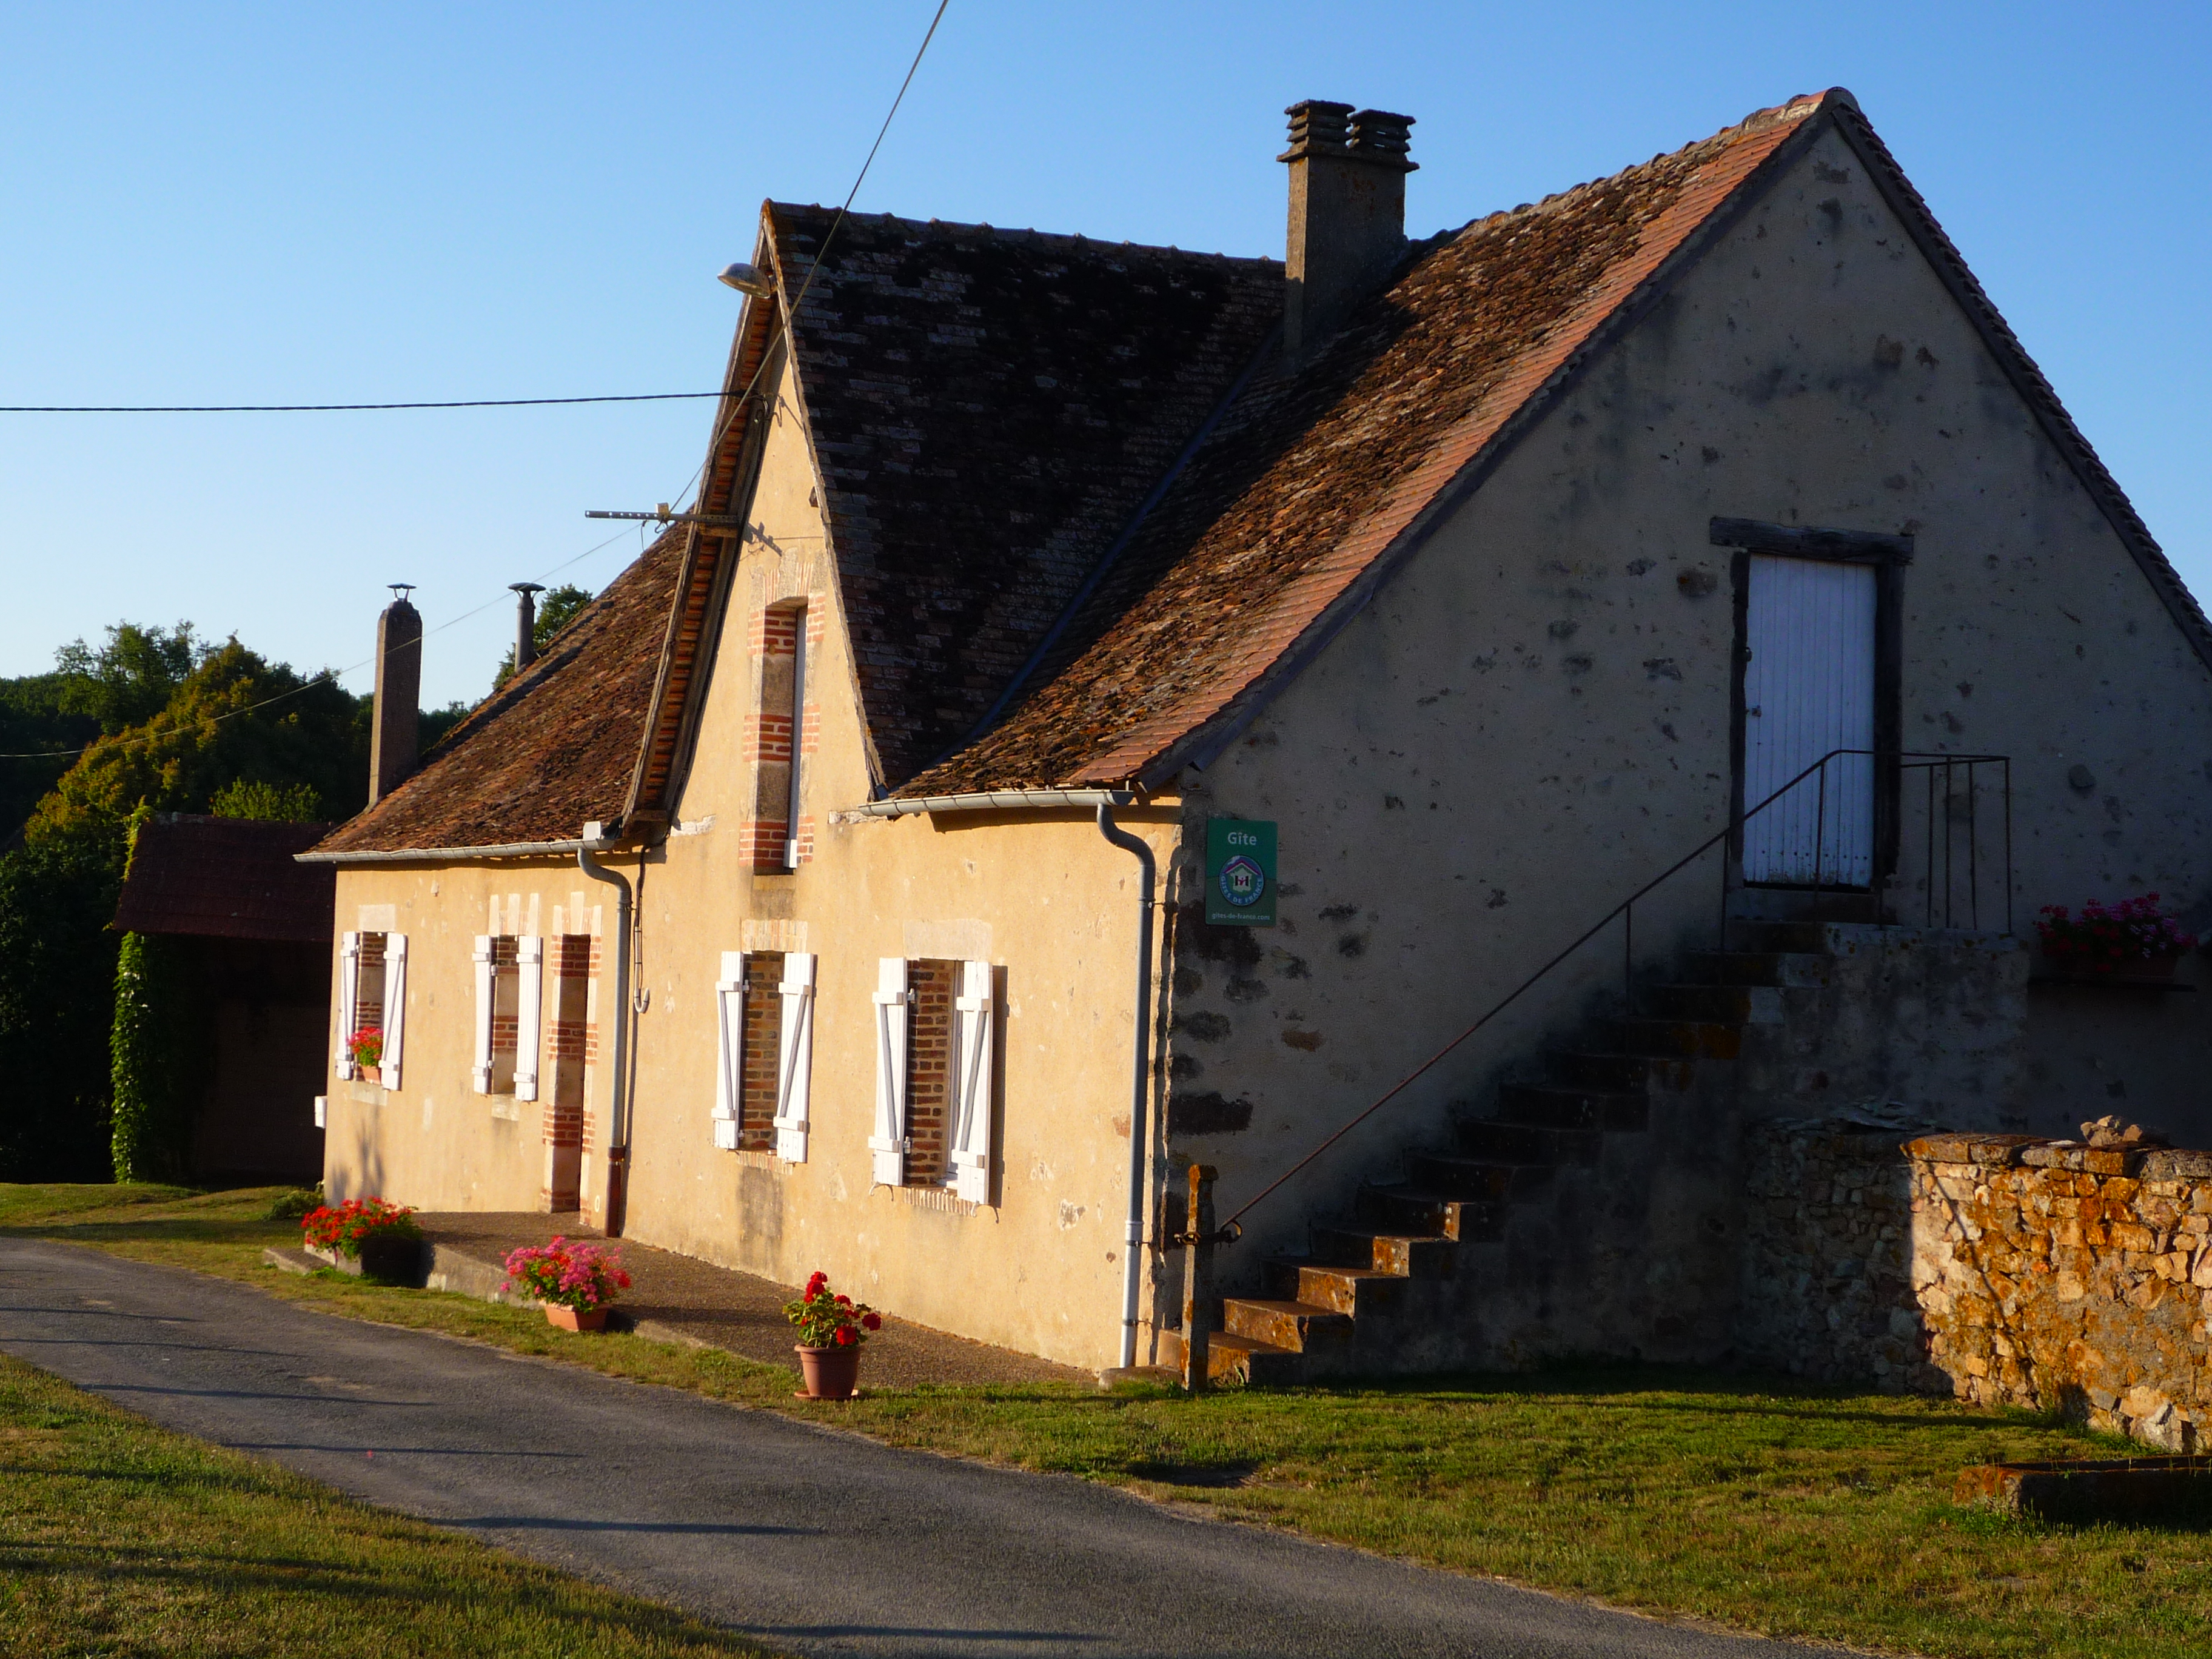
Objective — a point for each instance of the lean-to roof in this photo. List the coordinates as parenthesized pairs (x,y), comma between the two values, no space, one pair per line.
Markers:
(226,878)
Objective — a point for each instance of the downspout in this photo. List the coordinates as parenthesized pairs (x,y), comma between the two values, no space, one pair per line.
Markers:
(1139,1070)
(595,841)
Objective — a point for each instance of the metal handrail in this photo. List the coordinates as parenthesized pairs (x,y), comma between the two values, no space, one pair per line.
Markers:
(1906,761)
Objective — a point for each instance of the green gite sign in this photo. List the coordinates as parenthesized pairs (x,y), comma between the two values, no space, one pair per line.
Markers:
(1240,872)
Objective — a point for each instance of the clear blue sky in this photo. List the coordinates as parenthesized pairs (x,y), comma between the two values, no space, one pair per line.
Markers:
(232,203)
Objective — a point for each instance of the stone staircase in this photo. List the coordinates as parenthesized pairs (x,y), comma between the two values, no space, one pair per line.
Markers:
(1495,1248)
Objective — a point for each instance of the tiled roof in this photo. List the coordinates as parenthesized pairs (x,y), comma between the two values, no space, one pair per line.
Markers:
(227,878)
(1311,478)
(554,748)
(988,410)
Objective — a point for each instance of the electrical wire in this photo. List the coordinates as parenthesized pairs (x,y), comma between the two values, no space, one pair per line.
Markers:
(325,409)
(332,675)
(329,676)
(829,236)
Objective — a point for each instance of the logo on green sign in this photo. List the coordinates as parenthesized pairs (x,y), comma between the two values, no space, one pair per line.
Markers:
(1240,872)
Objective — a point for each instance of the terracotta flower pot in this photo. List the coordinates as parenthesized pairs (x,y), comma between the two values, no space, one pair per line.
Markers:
(576,1319)
(831,1373)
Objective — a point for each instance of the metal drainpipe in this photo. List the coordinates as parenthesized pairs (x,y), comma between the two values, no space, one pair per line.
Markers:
(1139,1076)
(618,1108)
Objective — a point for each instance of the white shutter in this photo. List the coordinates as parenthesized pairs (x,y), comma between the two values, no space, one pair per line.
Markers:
(395,1005)
(348,1001)
(528,1008)
(729,1041)
(973,1029)
(794,1059)
(889,1142)
(486,991)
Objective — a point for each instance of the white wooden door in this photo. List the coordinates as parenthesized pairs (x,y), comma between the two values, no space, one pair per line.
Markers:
(1808,688)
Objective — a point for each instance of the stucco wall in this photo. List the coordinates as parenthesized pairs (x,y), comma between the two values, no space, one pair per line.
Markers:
(1533,716)
(1042,897)
(434,1142)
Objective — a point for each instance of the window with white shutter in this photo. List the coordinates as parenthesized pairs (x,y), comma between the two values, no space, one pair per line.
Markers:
(888,1143)
(795,1067)
(348,1002)
(729,1049)
(974,1040)
(395,1005)
(529,1010)
(487,968)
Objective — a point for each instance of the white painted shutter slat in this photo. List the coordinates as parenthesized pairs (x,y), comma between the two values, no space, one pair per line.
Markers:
(974,1027)
(795,1067)
(395,1005)
(529,1008)
(729,1040)
(487,989)
(889,1142)
(348,1001)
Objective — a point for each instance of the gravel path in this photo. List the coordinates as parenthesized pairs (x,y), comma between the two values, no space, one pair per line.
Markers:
(811,1540)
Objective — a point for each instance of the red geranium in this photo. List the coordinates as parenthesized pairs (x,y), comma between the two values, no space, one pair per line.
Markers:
(826,1319)
(568,1272)
(2104,938)
(342,1227)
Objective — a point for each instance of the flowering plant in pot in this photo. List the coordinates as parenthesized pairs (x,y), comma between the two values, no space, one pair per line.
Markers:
(366,1049)
(2131,940)
(575,1281)
(383,1237)
(832,1328)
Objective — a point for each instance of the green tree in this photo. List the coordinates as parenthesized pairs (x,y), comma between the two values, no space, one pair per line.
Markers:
(556,608)
(254,798)
(56,975)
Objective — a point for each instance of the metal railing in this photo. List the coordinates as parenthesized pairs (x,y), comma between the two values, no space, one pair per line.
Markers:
(1886,830)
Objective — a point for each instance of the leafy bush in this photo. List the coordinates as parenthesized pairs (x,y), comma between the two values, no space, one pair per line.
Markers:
(297,1204)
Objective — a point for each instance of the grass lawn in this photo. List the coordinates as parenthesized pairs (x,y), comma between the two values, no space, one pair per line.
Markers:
(1764,1505)
(119,1538)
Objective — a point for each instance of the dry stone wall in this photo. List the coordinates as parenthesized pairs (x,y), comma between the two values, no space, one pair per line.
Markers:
(2068,1277)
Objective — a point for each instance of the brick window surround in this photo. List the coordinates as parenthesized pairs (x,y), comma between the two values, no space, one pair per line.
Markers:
(784,728)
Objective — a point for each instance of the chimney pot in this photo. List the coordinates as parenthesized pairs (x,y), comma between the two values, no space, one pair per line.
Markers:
(395,739)
(1347,223)
(526,624)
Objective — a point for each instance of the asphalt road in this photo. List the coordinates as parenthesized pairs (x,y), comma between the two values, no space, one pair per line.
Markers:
(813,1541)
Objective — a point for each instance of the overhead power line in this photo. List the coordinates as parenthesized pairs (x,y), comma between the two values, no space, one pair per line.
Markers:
(330,408)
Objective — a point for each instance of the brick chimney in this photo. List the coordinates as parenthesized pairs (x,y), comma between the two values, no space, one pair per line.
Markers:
(1347,213)
(395,738)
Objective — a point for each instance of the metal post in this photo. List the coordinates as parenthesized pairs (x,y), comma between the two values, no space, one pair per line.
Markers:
(1928,883)
(1973,853)
(2008,834)
(1820,837)
(1198,1278)
(1627,957)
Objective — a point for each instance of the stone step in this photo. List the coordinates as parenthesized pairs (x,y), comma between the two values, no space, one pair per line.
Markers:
(1233,1358)
(1409,1256)
(1471,1177)
(1795,938)
(1525,1143)
(1725,1004)
(1294,1326)
(1553,1106)
(1612,1073)
(1416,1210)
(1350,1291)
(1688,1039)
(1776,968)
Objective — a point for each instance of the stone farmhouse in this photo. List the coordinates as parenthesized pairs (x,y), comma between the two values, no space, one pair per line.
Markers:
(867,880)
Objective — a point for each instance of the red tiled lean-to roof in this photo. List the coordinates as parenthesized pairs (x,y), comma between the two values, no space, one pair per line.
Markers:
(551,749)
(226,878)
